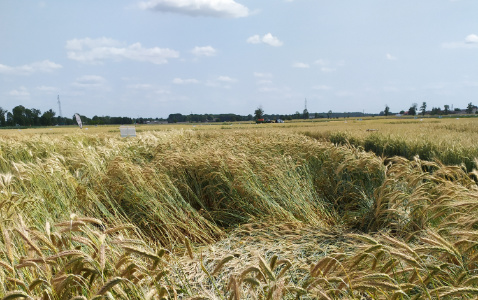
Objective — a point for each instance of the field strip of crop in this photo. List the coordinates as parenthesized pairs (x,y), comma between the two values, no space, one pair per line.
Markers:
(241,211)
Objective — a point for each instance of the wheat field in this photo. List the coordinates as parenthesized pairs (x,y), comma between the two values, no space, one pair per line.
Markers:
(333,209)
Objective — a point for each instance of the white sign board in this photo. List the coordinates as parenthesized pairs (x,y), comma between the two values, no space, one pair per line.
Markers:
(127,131)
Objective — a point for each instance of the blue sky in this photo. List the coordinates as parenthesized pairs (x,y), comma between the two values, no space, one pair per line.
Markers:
(151,58)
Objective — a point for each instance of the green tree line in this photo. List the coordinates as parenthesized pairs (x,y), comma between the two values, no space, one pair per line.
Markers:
(180,118)
(22,116)
(25,117)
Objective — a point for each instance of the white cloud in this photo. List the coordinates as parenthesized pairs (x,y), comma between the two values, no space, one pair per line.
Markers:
(264,81)
(44,66)
(266,39)
(21,92)
(300,65)
(90,82)
(322,62)
(221,81)
(185,81)
(327,66)
(324,65)
(265,84)
(162,92)
(262,75)
(80,44)
(470,41)
(96,50)
(472,38)
(390,56)
(271,40)
(255,39)
(207,8)
(226,79)
(204,51)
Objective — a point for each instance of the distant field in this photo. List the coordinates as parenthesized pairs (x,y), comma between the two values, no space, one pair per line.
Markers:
(341,209)
(449,140)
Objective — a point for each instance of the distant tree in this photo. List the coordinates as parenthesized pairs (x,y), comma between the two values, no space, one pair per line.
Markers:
(435,111)
(413,109)
(36,116)
(259,113)
(172,118)
(423,108)
(329,114)
(47,118)
(96,120)
(447,109)
(28,117)
(305,114)
(19,115)
(10,119)
(386,111)
(3,120)
(402,112)
(469,108)
(297,115)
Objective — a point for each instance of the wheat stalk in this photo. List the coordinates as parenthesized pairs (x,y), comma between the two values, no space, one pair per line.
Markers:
(16,294)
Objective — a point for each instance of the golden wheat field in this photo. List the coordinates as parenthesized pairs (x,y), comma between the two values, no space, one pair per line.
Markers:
(333,209)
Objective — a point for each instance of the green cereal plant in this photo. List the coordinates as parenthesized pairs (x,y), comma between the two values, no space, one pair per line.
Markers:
(79,258)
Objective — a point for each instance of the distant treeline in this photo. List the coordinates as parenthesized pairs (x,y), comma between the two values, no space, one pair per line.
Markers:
(175,118)
(22,116)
